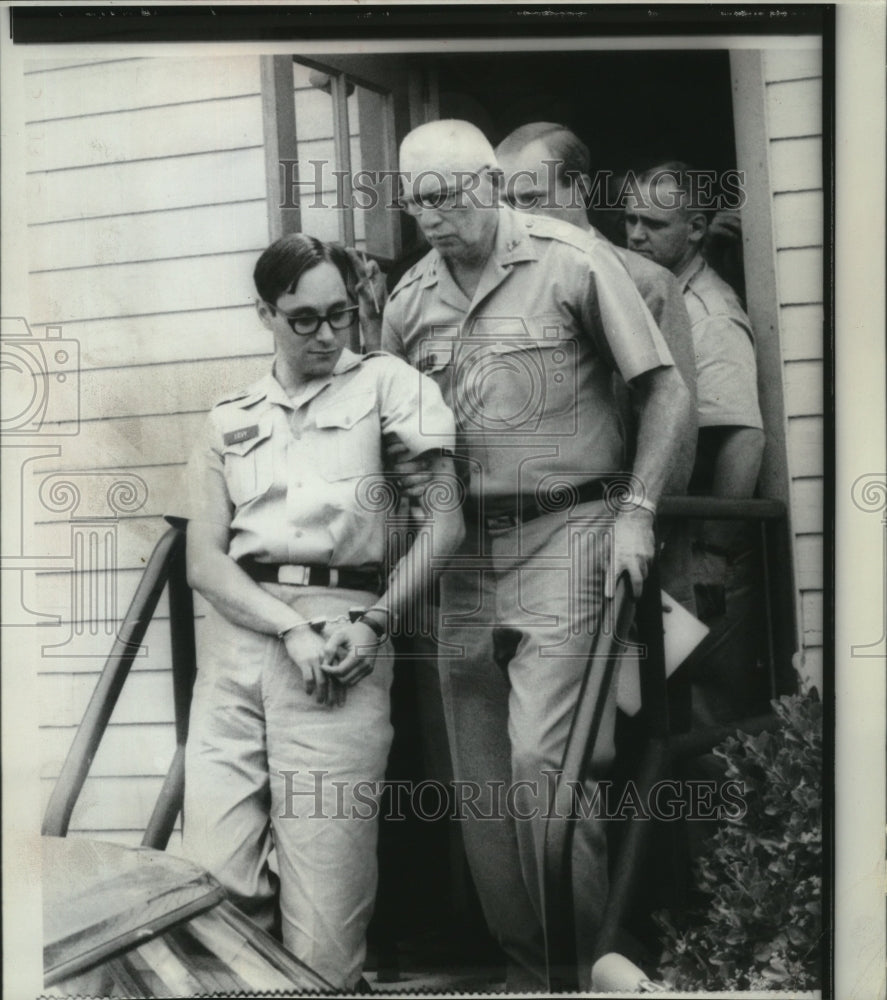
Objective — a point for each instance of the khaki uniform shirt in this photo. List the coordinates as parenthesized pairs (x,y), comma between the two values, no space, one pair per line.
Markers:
(527,363)
(663,297)
(726,372)
(293,477)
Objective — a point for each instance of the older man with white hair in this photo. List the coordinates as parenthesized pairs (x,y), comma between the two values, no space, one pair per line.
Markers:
(522,325)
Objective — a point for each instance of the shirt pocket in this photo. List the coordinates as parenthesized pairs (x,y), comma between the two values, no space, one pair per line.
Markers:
(249,466)
(349,437)
(532,370)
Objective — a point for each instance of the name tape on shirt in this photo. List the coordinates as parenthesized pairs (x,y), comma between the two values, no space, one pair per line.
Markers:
(243,434)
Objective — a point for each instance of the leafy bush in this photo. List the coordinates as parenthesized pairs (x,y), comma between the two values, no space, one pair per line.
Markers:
(755,922)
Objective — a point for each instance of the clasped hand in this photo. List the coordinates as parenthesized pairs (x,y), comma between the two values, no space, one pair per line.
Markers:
(334,661)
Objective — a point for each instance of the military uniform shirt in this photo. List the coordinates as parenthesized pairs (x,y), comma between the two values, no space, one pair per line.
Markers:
(527,364)
(726,372)
(297,478)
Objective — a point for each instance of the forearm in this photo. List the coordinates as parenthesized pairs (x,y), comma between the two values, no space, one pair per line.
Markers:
(434,539)
(664,419)
(737,462)
(736,468)
(218,578)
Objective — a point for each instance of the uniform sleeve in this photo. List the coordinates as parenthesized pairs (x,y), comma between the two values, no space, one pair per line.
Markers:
(613,305)
(204,493)
(392,329)
(727,382)
(413,409)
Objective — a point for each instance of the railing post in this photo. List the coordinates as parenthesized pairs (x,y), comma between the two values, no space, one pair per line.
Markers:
(110,683)
(184,668)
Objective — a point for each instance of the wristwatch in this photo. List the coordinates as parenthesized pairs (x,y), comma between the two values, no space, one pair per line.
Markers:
(380,631)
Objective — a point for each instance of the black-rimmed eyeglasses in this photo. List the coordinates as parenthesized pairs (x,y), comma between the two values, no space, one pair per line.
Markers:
(307,324)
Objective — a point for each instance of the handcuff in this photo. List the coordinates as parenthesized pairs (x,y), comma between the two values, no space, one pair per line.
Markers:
(354,615)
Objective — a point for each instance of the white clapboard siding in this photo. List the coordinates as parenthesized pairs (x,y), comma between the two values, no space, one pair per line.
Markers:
(145,134)
(165,438)
(171,285)
(41,589)
(123,85)
(189,335)
(121,804)
(189,232)
(801,328)
(215,178)
(113,758)
(794,124)
(803,386)
(147,210)
(796,164)
(797,217)
(179,387)
(791,112)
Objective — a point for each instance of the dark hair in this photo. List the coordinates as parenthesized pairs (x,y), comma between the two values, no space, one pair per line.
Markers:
(565,146)
(282,265)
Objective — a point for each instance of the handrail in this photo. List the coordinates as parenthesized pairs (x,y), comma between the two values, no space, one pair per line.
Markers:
(721,508)
(663,746)
(560,824)
(129,638)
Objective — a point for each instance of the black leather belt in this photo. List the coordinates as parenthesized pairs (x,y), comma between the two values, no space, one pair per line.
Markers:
(367,578)
(500,515)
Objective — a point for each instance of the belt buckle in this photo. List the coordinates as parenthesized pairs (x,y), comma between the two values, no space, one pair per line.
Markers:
(296,576)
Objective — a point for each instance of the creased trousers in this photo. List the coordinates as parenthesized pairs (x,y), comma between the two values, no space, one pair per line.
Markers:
(539,593)
(267,766)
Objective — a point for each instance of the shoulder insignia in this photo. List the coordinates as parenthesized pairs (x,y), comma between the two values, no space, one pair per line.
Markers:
(542,227)
(417,271)
(245,397)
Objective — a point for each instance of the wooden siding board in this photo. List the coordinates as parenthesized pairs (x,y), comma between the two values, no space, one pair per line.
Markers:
(145,134)
(803,384)
(114,758)
(807,505)
(796,164)
(801,329)
(212,178)
(146,697)
(154,286)
(192,335)
(794,108)
(115,803)
(124,443)
(182,386)
(139,83)
(792,64)
(800,275)
(812,612)
(798,219)
(186,232)
(805,446)
(808,559)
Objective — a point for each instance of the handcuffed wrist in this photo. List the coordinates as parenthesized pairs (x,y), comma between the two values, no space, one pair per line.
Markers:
(635,503)
(284,632)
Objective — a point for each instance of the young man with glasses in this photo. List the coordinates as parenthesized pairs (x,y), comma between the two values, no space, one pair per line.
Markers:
(290,730)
